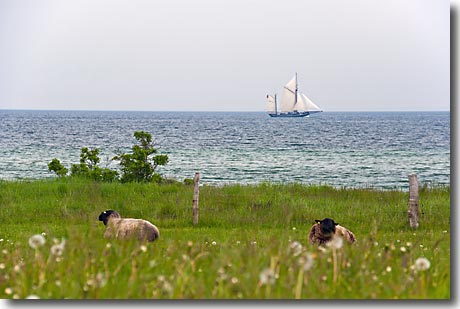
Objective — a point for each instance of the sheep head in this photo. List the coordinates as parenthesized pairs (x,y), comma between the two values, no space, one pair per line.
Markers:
(327,226)
(106,215)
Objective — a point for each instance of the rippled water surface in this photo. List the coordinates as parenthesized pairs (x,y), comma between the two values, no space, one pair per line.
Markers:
(340,149)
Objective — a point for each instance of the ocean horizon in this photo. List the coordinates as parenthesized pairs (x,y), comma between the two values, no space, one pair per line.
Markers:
(368,149)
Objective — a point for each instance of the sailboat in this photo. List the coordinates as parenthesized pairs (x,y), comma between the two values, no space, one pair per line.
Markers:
(293,102)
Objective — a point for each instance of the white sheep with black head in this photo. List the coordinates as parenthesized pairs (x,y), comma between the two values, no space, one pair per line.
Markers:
(127,228)
(325,230)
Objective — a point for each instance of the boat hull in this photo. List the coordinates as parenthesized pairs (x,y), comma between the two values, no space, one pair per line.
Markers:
(290,114)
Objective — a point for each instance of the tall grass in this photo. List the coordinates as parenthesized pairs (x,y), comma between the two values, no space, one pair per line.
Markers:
(250,242)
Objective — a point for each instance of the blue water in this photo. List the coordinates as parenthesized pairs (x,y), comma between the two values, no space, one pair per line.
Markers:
(354,149)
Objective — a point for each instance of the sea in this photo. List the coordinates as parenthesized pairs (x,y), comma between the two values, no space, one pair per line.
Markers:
(340,149)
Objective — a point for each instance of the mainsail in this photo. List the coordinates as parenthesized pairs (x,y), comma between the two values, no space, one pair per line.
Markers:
(289,98)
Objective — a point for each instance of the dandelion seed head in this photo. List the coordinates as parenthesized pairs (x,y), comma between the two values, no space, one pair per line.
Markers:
(36,241)
(295,248)
(57,250)
(335,243)
(422,264)
(267,276)
(306,261)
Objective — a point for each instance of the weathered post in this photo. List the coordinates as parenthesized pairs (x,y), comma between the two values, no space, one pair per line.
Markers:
(413,201)
(196,193)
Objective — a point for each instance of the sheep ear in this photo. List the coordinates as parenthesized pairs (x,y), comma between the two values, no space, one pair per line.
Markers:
(336,223)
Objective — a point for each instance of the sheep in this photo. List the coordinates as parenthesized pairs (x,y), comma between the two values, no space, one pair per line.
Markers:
(127,228)
(324,230)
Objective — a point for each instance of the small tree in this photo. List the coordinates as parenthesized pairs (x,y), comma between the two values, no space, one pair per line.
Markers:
(56,166)
(140,165)
(89,158)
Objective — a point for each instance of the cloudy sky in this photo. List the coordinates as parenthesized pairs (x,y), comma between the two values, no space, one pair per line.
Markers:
(217,55)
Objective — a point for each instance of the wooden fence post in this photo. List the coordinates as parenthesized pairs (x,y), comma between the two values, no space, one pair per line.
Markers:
(196,193)
(413,201)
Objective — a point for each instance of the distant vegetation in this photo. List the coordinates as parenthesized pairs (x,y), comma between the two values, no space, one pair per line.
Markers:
(138,166)
(250,242)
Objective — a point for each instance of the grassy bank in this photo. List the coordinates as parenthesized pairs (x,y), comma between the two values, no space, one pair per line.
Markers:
(244,246)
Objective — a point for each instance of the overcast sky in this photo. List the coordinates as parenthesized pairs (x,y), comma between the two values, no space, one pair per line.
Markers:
(215,55)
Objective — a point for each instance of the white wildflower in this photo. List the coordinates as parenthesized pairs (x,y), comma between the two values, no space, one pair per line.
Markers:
(214,243)
(295,248)
(306,261)
(403,249)
(335,243)
(36,241)
(57,249)
(143,248)
(267,276)
(422,263)
(32,296)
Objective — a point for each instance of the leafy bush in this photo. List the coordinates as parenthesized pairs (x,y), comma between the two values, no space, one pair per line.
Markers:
(140,165)
(56,166)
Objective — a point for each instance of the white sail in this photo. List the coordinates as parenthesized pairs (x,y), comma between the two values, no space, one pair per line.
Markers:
(271,104)
(309,105)
(301,105)
(293,103)
(289,95)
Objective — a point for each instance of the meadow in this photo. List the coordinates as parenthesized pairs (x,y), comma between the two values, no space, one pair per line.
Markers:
(251,242)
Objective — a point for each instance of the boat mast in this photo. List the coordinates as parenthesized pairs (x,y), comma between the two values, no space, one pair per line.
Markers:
(276,106)
(296,89)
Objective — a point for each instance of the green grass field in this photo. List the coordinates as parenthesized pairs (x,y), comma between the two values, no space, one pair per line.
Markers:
(245,246)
